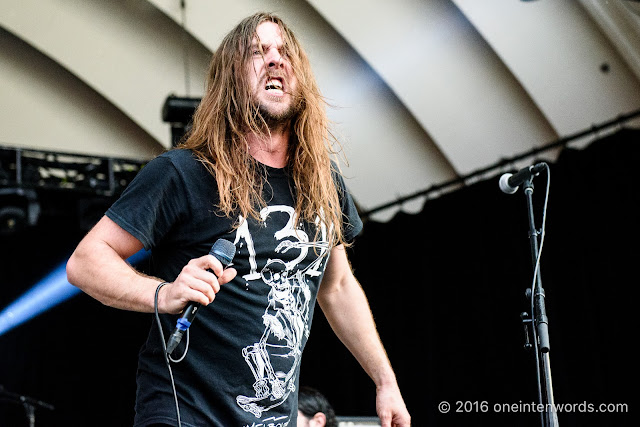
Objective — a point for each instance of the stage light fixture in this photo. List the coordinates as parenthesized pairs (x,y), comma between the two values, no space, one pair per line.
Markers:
(19,209)
(178,112)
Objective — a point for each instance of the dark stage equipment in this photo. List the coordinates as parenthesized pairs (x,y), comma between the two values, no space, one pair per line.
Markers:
(538,322)
(178,112)
(38,186)
(36,183)
(19,208)
(30,404)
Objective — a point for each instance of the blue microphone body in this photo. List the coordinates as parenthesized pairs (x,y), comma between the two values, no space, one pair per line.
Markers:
(224,251)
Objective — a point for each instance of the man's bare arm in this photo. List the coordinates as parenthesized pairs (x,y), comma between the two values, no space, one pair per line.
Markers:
(98,266)
(346,308)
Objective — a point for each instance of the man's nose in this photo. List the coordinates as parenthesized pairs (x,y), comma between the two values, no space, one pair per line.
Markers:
(274,58)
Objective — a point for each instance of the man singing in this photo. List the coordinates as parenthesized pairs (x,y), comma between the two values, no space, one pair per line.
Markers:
(255,170)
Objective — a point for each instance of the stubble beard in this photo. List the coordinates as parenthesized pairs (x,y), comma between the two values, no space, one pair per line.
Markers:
(277,119)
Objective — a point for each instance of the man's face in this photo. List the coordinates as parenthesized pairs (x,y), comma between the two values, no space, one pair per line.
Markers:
(271,77)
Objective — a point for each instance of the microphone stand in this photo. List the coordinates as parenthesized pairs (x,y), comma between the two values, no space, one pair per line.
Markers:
(29,404)
(539,323)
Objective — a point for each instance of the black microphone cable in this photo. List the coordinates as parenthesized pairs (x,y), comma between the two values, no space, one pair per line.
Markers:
(224,251)
(164,350)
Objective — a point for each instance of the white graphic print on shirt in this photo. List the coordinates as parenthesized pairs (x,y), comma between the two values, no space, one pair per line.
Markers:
(274,359)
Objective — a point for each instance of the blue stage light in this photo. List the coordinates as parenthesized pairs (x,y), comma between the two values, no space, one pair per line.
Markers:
(49,292)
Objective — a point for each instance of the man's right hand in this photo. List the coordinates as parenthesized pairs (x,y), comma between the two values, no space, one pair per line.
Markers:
(199,282)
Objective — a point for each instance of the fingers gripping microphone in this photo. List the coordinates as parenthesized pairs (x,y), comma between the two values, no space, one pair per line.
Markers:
(224,251)
(509,183)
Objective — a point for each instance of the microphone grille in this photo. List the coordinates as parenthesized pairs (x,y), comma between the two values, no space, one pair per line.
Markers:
(224,250)
(503,183)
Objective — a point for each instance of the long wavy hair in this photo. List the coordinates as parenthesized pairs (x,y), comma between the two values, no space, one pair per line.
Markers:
(228,113)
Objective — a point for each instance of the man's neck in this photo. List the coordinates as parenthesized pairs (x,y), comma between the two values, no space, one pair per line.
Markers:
(271,149)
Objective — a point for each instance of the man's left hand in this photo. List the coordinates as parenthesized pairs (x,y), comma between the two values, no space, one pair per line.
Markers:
(391,408)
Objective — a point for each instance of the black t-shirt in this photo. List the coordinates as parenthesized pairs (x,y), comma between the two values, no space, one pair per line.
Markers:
(243,359)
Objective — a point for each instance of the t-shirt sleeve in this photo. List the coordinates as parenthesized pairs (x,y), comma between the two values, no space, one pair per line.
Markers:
(351,222)
(152,203)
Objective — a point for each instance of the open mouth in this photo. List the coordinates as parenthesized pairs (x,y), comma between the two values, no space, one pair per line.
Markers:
(274,85)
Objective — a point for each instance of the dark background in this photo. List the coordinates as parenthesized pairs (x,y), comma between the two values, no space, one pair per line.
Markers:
(446,287)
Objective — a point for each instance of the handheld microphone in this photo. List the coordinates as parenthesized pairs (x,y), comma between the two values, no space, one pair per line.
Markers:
(224,251)
(509,183)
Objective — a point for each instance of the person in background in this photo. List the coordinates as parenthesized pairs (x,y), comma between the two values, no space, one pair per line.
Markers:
(314,410)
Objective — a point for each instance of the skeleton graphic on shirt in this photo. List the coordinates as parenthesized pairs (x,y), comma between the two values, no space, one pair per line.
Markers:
(274,359)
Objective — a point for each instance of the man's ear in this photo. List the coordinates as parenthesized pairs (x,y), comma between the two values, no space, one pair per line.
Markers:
(318,420)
